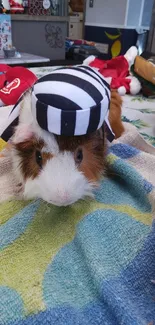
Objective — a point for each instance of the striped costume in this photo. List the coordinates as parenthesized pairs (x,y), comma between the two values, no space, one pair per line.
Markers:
(70,101)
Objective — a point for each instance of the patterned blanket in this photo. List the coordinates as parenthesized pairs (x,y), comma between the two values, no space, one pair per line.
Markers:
(92,263)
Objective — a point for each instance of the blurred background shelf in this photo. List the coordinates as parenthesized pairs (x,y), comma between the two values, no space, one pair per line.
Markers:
(23,17)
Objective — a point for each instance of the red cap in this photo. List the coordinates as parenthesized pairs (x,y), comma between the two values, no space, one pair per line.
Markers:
(19,80)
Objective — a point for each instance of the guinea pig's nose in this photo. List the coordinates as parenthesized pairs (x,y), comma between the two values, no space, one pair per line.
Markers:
(64,196)
(61,198)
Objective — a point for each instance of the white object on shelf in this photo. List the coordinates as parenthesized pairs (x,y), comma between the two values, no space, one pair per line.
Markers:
(46,4)
(18,55)
(102,47)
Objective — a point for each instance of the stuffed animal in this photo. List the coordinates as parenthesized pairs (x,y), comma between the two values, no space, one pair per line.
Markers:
(16,7)
(144,71)
(58,134)
(117,70)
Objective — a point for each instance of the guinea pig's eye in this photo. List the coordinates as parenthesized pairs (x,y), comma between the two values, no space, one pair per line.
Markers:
(39,158)
(79,156)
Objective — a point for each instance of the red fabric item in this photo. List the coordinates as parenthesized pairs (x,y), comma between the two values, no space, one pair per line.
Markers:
(3,69)
(119,82)
(18,80)
(116,67)
(16,7)
(2,80)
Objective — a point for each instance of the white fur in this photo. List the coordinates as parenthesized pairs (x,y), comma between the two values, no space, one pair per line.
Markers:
(25,111)
(28,127)
(59,182)
(23,132)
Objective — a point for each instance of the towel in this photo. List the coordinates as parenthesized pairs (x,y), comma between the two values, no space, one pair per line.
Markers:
(91,263)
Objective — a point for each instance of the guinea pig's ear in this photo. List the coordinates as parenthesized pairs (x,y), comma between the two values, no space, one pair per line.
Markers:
(115,114)
(25,115)
(23,132)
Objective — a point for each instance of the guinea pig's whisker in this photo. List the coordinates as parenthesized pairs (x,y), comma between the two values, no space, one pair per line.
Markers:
(87,198)
(94,185)
(109,172)
(88,194)
(112,174)
(42,201)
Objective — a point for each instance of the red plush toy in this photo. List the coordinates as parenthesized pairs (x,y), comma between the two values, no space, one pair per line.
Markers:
(13,83)
(16,6)
(117,70)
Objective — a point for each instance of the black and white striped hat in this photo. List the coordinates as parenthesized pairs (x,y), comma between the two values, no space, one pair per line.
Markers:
(71,101)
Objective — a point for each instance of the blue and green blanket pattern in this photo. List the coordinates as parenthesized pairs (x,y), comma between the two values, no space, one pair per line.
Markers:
(88,264)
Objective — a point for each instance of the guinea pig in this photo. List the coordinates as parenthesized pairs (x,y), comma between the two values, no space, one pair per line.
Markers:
(60,169)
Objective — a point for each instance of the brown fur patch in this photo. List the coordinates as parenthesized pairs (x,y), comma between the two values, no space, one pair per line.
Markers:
(27,152)
(93,149)
(115,114)
(93,163)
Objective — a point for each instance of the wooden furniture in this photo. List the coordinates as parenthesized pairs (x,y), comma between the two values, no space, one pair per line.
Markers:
(76,27)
